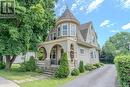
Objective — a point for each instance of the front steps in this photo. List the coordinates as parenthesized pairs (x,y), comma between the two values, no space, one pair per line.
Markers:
(50,70)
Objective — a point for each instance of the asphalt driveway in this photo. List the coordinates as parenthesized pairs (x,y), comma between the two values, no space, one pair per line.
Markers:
(102,77)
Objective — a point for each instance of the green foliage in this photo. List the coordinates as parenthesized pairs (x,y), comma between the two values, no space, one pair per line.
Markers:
(89,67)
(123,69)
(98,65)
(75,72)
(41,54)
(63,70)
(2,65)
(117,44)
(81,67)
(32,21)
(28,65)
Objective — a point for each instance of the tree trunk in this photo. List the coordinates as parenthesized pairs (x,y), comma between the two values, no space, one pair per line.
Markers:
(9,61)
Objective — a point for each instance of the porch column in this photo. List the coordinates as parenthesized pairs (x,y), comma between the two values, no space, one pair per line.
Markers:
(47,61)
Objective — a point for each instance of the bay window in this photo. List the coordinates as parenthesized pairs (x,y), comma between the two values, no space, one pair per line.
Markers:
(64,27)
(73,30)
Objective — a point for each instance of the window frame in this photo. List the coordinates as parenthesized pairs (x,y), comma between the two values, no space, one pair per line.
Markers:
(59,32)
(82,51)
(66,29)
(71,29)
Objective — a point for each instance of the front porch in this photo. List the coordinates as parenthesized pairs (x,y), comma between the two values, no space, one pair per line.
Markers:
(54,50)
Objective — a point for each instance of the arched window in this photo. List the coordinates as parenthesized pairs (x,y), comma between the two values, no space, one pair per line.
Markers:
(72,52)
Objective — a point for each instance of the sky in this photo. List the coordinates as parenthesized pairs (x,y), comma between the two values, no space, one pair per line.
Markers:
(108,16)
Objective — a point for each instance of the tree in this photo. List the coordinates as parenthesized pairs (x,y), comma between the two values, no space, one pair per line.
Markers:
(63,70)
(117,44)
(33,19)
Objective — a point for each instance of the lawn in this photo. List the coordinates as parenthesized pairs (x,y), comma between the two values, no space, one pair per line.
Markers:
(14,74)
(52,82)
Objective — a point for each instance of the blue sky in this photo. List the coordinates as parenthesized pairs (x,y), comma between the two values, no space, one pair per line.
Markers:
(108,16)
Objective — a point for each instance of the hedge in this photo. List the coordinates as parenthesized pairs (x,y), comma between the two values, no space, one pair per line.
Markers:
(122,63)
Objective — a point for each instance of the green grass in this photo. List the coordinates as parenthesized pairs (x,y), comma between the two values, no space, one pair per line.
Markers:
(52,82)
(14,74)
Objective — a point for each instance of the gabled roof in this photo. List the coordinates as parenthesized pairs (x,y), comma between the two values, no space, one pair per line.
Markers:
(67,15)
(84,29)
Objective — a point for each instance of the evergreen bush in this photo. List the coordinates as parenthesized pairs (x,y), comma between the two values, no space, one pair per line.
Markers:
(75,72)
(81,67)
(63,69)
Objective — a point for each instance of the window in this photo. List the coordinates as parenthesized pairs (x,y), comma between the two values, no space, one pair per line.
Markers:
(72,52)
(91,54)
(54,36)
(51,36)
(59,31)
(73,29)
(64,29)
(82,51)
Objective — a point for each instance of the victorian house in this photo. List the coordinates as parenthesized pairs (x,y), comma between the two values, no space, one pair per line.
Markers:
(79,41)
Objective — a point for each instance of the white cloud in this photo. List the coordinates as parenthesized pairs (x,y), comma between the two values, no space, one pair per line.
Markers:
(125,3)
(115,31)
(126,26)
(94,5)
(105,23)
(74,6)
(78,4)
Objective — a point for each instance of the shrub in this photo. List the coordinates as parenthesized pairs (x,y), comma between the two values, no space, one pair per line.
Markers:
(122,63)
(28,65)
(89,67)
(81,67)
(102,64)
(63,70)
(75,72)
(97,65)
(2,65)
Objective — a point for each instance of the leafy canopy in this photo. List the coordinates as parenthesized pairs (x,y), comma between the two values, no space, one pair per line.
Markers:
(117,44)
(33,18)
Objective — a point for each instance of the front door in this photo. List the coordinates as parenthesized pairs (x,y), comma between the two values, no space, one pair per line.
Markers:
(54,56)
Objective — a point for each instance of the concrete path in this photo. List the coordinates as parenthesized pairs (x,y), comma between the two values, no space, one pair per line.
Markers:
(102,77)
(7,83)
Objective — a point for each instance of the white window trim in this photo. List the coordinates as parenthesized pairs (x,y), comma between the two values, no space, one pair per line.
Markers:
(71,29)
(58,31)
(62,29)
(82,50)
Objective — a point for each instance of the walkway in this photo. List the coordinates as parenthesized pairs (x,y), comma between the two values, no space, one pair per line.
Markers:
(7,83)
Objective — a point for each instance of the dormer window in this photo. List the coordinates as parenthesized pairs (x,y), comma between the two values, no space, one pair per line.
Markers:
(64,27)
(73,30)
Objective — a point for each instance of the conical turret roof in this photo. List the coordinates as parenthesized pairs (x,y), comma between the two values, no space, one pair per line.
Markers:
(67,15)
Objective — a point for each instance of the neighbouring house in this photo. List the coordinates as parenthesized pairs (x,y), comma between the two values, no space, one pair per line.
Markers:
(79,41)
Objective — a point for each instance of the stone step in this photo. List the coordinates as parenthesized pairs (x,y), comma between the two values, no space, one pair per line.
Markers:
(49,73)
(50,70)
